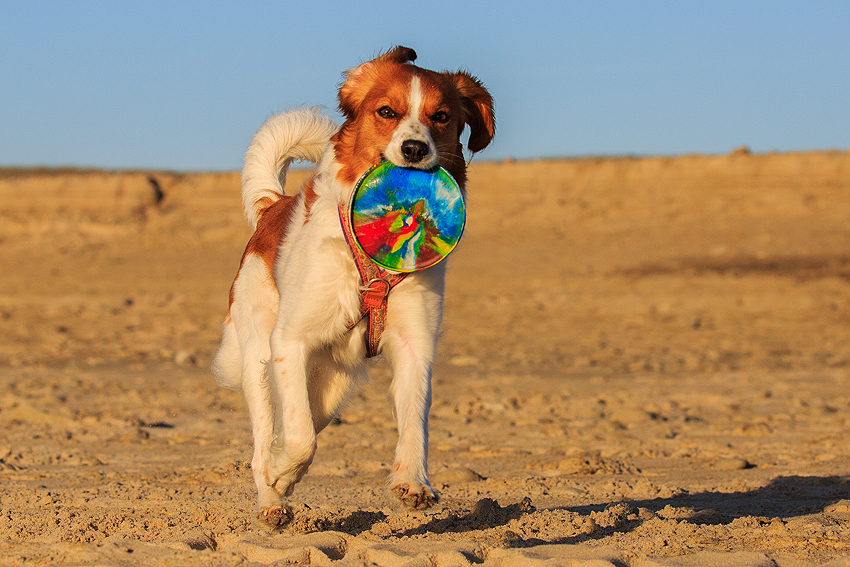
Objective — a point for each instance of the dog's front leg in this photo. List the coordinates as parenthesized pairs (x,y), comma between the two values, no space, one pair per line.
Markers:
(411,391)
(294,446)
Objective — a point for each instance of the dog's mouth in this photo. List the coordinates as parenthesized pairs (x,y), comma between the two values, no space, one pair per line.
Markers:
(382,157)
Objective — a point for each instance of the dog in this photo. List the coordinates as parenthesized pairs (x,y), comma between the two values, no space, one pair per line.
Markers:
(287,341)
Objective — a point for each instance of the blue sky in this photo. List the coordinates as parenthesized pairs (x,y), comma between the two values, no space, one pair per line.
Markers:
(183,85)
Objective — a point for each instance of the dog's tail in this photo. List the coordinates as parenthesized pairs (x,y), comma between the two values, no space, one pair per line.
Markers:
(301,134)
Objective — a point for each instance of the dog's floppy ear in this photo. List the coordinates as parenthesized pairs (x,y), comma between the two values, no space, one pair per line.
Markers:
(399,54)
(358,80)
(478,110)
(353,89)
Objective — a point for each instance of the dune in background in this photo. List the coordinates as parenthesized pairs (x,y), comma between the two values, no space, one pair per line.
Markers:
(643,358)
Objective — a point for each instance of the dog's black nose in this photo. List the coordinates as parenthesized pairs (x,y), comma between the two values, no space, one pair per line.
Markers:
(414,151)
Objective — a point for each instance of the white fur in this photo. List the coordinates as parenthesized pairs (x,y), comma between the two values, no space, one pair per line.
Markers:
(411,128)
(295,135)
(288,346)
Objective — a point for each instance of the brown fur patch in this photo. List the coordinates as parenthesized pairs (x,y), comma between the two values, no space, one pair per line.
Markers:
(310,197)
(385,81)
(361,140)
(271,230)
(273,226)
(264,203)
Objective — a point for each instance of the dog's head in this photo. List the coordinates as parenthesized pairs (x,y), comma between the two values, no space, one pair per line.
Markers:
(411,116)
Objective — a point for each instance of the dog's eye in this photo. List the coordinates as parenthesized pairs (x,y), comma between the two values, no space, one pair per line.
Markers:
(441,117)
(386,112)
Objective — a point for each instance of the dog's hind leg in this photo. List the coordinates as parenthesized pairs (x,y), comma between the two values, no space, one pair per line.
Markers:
(227,364)
(254,312)
(259,396)
(329,384)
(294,444)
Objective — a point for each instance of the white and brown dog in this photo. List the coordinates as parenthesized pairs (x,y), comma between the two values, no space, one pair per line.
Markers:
(286,339)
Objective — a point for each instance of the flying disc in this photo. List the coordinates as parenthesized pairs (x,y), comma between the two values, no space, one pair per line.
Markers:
(405,219)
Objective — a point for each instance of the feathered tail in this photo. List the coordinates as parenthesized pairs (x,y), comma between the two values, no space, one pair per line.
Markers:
(301,134)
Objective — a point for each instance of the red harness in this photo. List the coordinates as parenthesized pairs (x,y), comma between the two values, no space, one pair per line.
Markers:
(376,285)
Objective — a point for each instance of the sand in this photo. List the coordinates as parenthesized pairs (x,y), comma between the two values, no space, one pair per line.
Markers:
(644,363)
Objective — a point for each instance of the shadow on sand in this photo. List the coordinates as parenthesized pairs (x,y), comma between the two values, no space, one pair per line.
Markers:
(784,497)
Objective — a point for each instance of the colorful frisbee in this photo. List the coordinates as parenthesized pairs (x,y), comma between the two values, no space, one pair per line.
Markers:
(407,220)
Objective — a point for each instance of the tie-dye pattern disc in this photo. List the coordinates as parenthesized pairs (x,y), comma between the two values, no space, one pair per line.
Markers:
(407,219)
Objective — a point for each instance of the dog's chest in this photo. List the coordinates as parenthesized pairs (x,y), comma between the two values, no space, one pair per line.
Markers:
(318,281)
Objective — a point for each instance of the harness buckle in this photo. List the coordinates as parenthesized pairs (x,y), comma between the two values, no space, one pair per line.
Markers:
(376,293)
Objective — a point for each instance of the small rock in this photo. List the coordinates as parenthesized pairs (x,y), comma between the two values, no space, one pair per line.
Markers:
(197,540)
(733,464)
(629,416)
(464,360)
(839,510)
(459,475)
(184,357)
(486,511)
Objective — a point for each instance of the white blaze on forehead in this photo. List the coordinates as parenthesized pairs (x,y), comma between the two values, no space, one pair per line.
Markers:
(415,99)
(412,129)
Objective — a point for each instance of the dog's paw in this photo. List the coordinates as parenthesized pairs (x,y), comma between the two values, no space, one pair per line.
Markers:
(416,496)
(284,471)
(275,516)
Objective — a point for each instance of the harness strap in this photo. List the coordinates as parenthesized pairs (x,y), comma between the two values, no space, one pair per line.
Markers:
(376,285)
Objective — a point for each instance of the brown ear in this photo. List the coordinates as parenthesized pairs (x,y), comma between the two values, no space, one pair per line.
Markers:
(478,110)
(358,80)
(399,54)
(354,88)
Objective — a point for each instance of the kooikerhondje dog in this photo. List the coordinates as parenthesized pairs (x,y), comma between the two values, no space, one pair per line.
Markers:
(286,338)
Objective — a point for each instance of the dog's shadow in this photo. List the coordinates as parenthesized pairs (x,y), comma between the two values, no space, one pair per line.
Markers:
(784,497)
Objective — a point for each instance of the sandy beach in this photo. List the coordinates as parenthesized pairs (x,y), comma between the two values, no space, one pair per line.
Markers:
(644,362)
